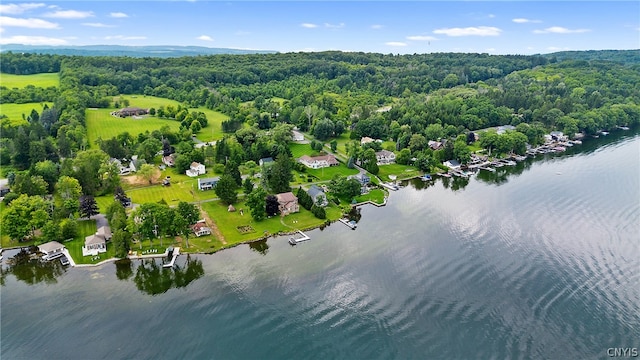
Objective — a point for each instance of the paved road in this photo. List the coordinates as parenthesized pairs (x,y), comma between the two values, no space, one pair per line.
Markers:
(101,220)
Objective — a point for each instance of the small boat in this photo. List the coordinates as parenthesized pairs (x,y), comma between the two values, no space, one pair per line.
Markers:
(559,148)
(605,133)
(623,127)
(447,175)
(577,142)
(425,177)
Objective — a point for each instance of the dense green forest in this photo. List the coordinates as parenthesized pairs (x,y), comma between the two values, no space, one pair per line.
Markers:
(404,100)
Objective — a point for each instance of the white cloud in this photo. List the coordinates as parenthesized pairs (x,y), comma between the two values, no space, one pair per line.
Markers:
(491,16)
(421,38)
(19,8)
(396,43)
(308,25)
(118,15)
(123,37)
(32,40)
(525,21)
(469,31)
(98,25)
(556,48)
(31,23)
(377,26)
(334,26)
(69,14)
(205,38)
(560,30)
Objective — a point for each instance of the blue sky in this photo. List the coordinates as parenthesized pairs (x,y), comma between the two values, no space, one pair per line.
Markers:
(498,27)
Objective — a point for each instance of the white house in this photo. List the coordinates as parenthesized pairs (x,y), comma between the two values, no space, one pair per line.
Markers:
(93,245)
(385,157)
(207,183)
(201,229)
(51,250)
(318,162)
(297,136)
(196,169)
(366,140)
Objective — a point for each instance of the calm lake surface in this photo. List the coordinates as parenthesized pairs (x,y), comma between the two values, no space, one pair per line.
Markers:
(538,261)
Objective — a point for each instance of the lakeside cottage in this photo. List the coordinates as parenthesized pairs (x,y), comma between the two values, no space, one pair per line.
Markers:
(97,243)
(201,229)
(435,145)
(385,157)
(287,203)
(207,183)
(362,178)
(51,250)
(196,169)
(318,196)
(317,162)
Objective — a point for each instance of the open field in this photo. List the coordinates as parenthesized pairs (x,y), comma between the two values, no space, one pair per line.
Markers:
(43,80)
(229,221)
(15,112)
(297,150)
(401,171)
(329,172)
(100,123)
(171,194)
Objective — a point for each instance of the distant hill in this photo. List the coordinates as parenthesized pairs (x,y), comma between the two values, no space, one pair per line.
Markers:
(619,56)
(132,51)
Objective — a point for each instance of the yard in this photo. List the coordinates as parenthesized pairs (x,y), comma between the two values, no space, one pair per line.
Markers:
(43,80)
(376,195)
(401,171)
(229,222)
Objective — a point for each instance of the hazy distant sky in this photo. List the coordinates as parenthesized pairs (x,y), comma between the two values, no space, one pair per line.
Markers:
(500,27)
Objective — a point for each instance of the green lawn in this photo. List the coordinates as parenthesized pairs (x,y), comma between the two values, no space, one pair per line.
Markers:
(375,195)
(301,149)
(15,112)
(100,123)
(43,80)
(330,172)
(228,222)
(183,191)
(401,171)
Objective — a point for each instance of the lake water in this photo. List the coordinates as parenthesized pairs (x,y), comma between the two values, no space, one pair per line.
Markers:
(538,261)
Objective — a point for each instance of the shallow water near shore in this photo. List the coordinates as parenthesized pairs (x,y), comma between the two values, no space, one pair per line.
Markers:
(537,261)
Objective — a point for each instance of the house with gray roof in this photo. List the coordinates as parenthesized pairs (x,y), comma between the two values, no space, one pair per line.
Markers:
(318,196)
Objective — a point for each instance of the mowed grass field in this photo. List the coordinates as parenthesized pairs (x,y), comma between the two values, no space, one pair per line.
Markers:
(400,171)
(14,112)
(100,123)
(43,80)
(228,222)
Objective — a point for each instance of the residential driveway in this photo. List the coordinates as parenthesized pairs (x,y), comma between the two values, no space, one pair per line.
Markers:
(101,220)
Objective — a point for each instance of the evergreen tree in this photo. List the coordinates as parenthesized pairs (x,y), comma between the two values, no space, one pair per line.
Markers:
(319,212)
(88,206)
(272,205)
(231,169)
(304,199)
(247,186)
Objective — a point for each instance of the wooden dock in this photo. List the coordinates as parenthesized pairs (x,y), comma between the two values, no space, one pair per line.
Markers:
(176,252)
(295,240)
(351,224)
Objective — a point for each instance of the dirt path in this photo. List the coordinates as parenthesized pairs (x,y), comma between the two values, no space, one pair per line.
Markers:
(213,226)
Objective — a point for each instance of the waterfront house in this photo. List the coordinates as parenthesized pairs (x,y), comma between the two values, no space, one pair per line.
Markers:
(362,178)
(51,250)
(385,157)
(265,161)
(207,183)
(287,203)
(169,160)
(105,232)
(201,229)
(318,196)
(317,162)
(93,245)
(195,169)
